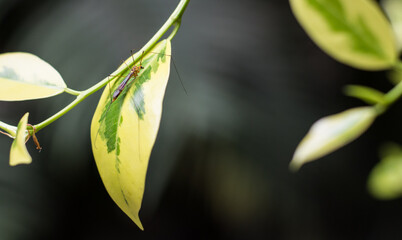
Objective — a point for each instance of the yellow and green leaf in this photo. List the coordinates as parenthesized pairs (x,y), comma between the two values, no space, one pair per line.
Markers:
(24,76)
(124,132)
(332,132)
(19,153)
(354,32)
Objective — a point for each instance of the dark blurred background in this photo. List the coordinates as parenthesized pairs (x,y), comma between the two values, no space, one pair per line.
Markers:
(219,168)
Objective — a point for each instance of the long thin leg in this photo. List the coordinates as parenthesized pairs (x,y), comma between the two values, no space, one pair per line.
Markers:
(175,68)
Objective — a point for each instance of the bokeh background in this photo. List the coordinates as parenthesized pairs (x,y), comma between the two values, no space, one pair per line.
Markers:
(219,168)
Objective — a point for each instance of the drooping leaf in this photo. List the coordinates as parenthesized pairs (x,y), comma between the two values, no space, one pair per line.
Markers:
(19,153)
(124,132)
(24,76)
(385,179)
(332,132)
(393,9)
(353,32)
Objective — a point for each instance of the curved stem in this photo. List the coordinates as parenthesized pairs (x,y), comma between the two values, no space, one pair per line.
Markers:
(72,91)
(392,96)
(11,130)
(175,30)
(174,19)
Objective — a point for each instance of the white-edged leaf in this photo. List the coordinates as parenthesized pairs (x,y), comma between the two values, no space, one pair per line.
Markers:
(332,132)
(24,76)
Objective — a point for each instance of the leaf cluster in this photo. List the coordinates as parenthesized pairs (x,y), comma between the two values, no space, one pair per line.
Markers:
(356,33)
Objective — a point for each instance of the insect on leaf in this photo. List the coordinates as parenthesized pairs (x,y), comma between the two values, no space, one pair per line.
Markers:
(24,76)
(19,153)
(124,132)
(355,32)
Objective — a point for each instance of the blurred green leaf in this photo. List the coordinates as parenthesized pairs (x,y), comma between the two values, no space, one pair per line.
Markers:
(332,132)
(385,179)
(353,32)
(24,76)
(364,93)
(395,76)
(393,9)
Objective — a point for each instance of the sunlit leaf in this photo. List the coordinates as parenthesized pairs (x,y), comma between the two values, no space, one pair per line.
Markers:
(393,9)
(123,132)
(385,180)
(19,153)
(355,32)
(332,132)
(24,76)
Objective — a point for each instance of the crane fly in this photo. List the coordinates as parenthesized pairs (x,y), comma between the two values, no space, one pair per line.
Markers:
(134,71)
(133,74)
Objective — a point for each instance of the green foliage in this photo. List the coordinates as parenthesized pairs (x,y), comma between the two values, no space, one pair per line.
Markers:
(332,132)
(24,76)
(393,9)
(385,180)
(127,135)
(355,33)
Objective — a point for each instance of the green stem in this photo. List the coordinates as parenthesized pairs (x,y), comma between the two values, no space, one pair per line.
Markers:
(72,92)
(392,96)
(8,128)
(175,30)
(174,19)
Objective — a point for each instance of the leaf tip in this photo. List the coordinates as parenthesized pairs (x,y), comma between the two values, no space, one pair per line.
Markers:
(136,219)
(294,166)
